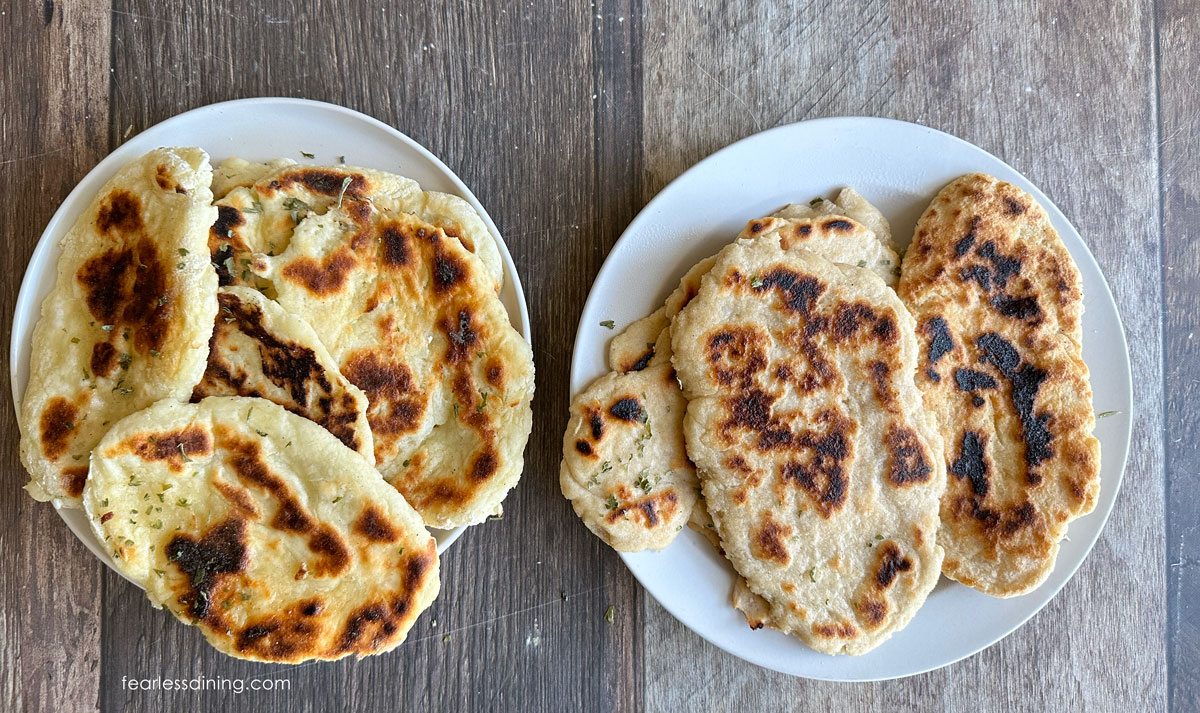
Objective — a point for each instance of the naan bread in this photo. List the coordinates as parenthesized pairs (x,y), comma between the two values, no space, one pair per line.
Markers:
(259,349)
(412,318)
(849,204)
(998,303)
(819,467)
(256,221)
(262,529)
(128,320)
(624,468)
(835,238)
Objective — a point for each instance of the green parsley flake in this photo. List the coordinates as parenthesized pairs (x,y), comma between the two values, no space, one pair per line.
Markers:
(342,194)
(610,613)
(608,324)
(611,502)
(643,482)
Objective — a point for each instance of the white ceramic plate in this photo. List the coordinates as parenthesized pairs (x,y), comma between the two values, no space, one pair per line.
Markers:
(899,167)
(254,129)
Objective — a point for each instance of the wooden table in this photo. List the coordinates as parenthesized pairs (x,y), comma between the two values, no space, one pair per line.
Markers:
(565,118)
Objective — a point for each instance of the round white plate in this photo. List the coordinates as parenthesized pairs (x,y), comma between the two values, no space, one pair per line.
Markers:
(899,167)
(254,129)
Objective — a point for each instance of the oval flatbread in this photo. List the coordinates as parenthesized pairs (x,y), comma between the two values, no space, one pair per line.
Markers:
(412,318)
(128,320)
(259,349)
(998,303)
(624,468)
(819,467)
(262,529)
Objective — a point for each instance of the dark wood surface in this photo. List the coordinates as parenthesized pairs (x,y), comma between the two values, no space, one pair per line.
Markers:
(564,118)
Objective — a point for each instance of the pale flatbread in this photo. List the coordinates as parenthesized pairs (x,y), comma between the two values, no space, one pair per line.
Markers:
(848,203)
(257,220)
(412,318)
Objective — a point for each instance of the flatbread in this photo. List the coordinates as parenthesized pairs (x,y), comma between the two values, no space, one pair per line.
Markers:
(412,318)
(262,529)
(128,320)
(624,468)
(998,303)
(849,203)
(818,465)
(256,221)
(259,349)
(835,238)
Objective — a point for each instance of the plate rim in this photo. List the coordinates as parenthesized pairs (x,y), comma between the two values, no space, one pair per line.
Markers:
(1123,443)
(49,241)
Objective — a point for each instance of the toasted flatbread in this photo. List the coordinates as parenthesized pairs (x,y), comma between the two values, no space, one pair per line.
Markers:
(818,465)
(128,320)
(256,221)
(260,528)
(848,203)
(259,349)
(998,303)
(412,318)
(835,238)
(624,468)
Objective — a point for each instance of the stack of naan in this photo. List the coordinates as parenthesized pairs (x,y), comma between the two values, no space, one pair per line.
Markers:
(843,443)
(264,386)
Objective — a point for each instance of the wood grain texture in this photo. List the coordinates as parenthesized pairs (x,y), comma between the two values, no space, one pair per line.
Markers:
(1006,76)
(1179,146)
(54,94)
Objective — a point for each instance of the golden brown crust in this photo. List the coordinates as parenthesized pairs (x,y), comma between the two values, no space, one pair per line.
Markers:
(261,529)
(412,319)
(998,303)
(806,429)
(128,319)
(258,349)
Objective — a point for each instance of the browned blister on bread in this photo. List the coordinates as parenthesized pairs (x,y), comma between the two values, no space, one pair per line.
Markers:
(259,349)
(128,320)
(819,467)
(998,304)
(412,318)
(260,528)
